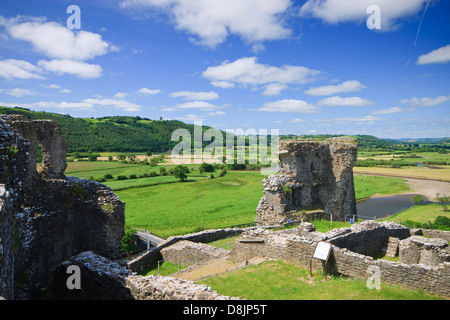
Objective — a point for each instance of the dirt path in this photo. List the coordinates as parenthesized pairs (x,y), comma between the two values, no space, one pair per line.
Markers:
(214,267)
(429,188)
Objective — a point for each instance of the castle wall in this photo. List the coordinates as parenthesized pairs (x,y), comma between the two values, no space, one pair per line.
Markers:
(103,279)
(298,249)
(50,217)
(312,175)
(6,245)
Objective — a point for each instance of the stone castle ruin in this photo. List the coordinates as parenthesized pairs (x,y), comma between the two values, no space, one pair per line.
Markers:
(45,217)
(313,175)
(50,222)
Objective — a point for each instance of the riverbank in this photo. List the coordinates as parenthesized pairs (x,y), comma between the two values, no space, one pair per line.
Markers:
(427,187)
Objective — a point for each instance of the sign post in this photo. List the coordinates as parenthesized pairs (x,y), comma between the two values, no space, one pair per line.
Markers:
(322,252)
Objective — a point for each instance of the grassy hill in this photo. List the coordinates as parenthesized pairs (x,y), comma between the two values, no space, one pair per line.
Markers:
(121,134)
(137,134)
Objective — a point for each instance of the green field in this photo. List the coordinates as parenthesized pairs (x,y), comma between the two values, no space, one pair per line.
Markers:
(230,200)
(96,169)
(277,280)
(168,207)
(186,207)
(366,186)
(420,213)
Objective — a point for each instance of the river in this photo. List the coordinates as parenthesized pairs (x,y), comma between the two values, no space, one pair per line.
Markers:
(381,207)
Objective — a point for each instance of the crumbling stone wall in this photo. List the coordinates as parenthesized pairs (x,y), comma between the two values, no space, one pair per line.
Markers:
(297,247)
(103,279)
(421,250)
(6,245)
(369,237)
(152,256)
(188,253)
(50,217)
(313,174)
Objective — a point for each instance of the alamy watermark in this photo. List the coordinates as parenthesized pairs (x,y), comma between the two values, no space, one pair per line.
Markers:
(374,20)
(73,282)
(234,146)
(74,21)
(374,280)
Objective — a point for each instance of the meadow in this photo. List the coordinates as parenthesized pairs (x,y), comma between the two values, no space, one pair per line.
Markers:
(186,207)
(167,207)
(422,165)
(419,213)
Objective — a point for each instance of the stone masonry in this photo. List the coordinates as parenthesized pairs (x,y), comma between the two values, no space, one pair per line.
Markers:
(423,263)
(313,175)
(103,279)
(45,217)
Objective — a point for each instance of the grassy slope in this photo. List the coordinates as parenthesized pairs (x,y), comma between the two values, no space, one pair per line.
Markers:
(366,186)
(420,213)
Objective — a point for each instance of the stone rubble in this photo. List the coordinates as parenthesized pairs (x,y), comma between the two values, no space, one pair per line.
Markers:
(312,174)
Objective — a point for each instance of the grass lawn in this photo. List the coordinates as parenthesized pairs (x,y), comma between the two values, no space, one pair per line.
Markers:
(277,280)
(117,185)
(420,213)
(165,269)
(366,186)
(180,208)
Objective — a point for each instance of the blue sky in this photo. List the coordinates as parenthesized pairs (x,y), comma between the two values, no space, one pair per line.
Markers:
(303,67)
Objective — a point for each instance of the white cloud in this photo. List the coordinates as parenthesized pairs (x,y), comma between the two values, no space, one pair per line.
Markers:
(347,86)
(426,101)
(45,105)
(77,68)
(114,103)
(274,89)
(55,86)
(190,95)
(296,120)
(18,92)
(19,69)
(387,111)
(121,95)
(247,71)
(217,113)
(57,41)
(190,117)
(51,86)
(337,11)
(441,55)
(350,119)
(147,91)
(213,21)
(86,104)
(222,84)
(201,105)
(289,105)
(345,102)
(168,109)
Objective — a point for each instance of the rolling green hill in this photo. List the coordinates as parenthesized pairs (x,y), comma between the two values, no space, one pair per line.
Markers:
(122,134)
(136,134)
